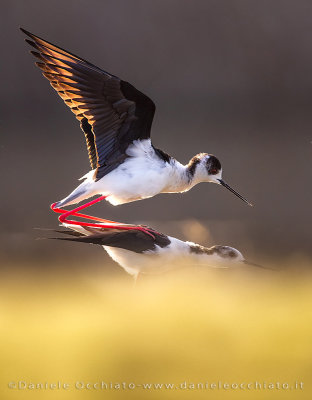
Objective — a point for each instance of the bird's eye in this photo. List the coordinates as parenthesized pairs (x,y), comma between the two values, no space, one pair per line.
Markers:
(213,171)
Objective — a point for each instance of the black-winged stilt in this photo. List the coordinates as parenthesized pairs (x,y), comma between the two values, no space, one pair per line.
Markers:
(116,119)
(138,253)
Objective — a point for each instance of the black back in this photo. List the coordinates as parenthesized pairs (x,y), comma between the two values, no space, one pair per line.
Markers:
(133,240)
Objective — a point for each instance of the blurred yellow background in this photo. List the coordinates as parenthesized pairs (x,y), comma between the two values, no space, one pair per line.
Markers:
(194,326)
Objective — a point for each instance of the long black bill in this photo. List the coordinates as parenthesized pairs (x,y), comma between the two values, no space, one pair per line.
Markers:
(233,191)
(256,265)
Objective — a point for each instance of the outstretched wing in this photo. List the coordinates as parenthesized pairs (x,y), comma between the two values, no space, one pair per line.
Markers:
(112,113)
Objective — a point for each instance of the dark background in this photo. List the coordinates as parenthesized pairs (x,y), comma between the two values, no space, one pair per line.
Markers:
(229,77)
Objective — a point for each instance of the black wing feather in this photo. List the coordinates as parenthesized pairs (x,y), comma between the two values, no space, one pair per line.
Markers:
(133,240)
(112,112)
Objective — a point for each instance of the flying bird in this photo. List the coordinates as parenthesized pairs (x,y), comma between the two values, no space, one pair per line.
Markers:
(116,119)
(138,253)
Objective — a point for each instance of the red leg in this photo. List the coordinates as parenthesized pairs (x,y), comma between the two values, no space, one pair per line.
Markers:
(115,225)
(62,211)
(107,223)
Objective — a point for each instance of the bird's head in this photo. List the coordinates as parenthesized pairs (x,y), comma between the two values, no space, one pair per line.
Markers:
(219,256)
(227,254)
(207,168)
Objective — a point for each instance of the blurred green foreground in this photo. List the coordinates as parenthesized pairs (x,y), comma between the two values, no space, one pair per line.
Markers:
(197,331)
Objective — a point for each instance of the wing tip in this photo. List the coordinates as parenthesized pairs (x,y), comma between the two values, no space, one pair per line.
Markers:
(31,43)
(26,32)
(32,37)
(36,54)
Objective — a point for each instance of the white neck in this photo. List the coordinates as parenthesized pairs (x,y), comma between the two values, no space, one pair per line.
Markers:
(183,177)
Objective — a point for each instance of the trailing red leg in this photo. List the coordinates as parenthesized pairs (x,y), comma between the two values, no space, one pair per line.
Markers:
(62,211)
(107,224)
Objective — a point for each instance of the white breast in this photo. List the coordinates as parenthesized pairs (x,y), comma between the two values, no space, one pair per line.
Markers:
(151,262)
(140,176)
